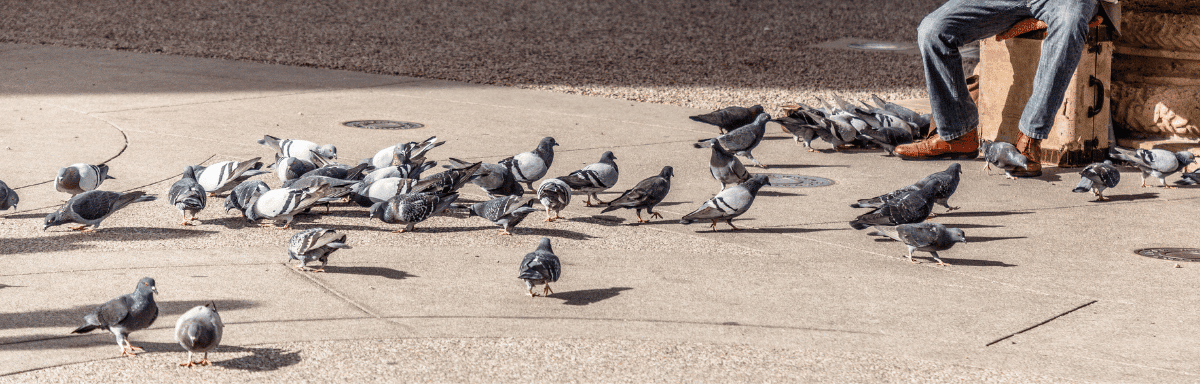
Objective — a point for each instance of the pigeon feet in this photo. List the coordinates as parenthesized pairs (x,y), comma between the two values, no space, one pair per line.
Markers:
(188,364)
(505,232)
(205,362)
(547,291)
(655,215)
(79,228)
(942,264)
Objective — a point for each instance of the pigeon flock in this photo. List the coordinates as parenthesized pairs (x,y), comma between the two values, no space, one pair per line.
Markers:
(395,186)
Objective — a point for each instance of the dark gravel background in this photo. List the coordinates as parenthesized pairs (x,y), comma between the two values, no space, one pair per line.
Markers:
(704,54)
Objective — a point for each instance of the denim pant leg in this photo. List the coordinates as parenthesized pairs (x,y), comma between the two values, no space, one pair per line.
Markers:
(941,33)
(1065,38)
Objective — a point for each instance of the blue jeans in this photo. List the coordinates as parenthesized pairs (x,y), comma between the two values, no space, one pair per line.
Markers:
(959,22)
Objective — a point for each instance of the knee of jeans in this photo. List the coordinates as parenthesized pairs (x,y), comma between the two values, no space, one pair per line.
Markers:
(1074,22)
(929,32)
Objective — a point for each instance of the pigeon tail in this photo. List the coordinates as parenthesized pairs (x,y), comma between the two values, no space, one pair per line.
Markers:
(85,328)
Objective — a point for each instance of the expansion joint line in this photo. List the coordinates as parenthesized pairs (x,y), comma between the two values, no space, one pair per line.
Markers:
(1040,324)
(345,298)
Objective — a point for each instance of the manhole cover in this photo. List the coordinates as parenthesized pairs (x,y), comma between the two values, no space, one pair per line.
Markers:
(797,181)
(382,124)
(1174,254)
(874,46)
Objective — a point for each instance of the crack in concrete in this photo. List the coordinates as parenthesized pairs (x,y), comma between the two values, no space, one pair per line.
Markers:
(1040,324)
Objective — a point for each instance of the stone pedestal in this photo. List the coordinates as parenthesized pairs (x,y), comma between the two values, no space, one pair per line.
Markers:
(1156,75)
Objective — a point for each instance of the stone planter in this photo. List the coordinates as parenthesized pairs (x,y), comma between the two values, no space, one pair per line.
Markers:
(1156,75)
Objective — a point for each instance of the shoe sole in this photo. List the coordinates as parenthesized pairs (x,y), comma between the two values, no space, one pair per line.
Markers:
(944,156)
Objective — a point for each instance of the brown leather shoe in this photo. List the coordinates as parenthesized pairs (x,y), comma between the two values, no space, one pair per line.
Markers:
(1032,149)
(964,147)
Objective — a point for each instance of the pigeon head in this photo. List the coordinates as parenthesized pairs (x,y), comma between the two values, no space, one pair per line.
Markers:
(146,284)
(756,182)
(544,245)
(212,306)
(667,172)
(1185,158)
(328,151)
(12,199)
(955,168)
(377,210)
(54,219)
(758,109)
(956,235)
(762,118)
(607,157)
(189,172)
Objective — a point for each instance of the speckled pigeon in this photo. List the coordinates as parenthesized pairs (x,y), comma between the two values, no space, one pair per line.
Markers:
(925,237)
(187,195)
(729,118)
(540,267)
(594,178)
(283,204)
(505,211)
(315,245)
(725,167)
(223,176)
(645,195)
(239,197)
(729,203)
(300,149)
(199,330)
(1159,163)
(126,313)
(1002,155)
(742,140)
(528,167)
(80,178)
(1097,177)
(92,207)
(910,206)
(8,197)
(554,194)
(410,209)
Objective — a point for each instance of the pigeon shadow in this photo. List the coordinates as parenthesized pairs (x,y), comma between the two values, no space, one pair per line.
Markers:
(668,204)
(777,194)
(1139,196)
(587,296)
(966,262)
(260,359)
(600,219)
(73,241)
(984,239)
(370,271)
(798,166)
(73,317)
(982,213)
(26,216)
(969,226)
(67,341)
(793,230)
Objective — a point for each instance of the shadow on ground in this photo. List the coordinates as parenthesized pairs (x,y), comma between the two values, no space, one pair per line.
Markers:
(72,241)
(370,271)
(587,296)
(70,318)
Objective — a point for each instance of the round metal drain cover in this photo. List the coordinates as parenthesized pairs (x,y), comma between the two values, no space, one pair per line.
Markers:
(1174,254)
(797,181)
(382,124)
(881,46)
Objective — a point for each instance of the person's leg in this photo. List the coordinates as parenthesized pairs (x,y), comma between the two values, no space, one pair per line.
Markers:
(1067,22)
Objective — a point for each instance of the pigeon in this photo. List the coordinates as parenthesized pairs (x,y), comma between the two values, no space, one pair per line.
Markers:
(410,209)
(910,206)
(80,178)
(926,237)
(337,171)
(528,167)
(729,203)
(803,123)
(888,137)
(742,140)
(300,149)
(315,245)
(239,197)
(223,176)
(8,197)
(1159,163)
(645,195)
(554,194)
(448,181)
(199,330)
(540,267)
(594,178)
(1002,155)
(338,188)
(126,313)
(92,207)
(1189,178)
(288,168)
(919,121)
(381,190)
(406,171)
(495,179)
(505,211)
(729,118)
(947,184)
(283,204)
(412,151)
(1097,177)
(725,167)
(187,195)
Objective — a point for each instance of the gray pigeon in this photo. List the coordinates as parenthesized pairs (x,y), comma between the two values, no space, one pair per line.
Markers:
(742,140)
(337,171)
(888,137)
(92,207)
(528,167)
(554,194)
(505,211)
(223,176)
(381,190)
(594,178)
(947,184)
(199,330)
(1097,177)
(339,189)
(408,152)
(1002,155)
(187,195)
(448,181)
(729,118)
(80,178)
(803,124)
(283,204)
(729,203)
(288,168)
(725,167)
(1159,163)
(540,267)
(645,195)
(8,197)
(910,206)
(410,209)
(126,313)
(919,121)
(239,197)
(315,245)
(495,179)
(300,149)
(1189,178)
(925,237)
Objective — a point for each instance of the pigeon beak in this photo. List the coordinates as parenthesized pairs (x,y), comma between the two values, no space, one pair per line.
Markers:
(154,289)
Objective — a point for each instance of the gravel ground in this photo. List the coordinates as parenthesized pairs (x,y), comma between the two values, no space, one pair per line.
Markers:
(521,360)
(702,54)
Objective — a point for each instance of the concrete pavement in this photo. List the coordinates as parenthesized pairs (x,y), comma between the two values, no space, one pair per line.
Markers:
(797,293)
